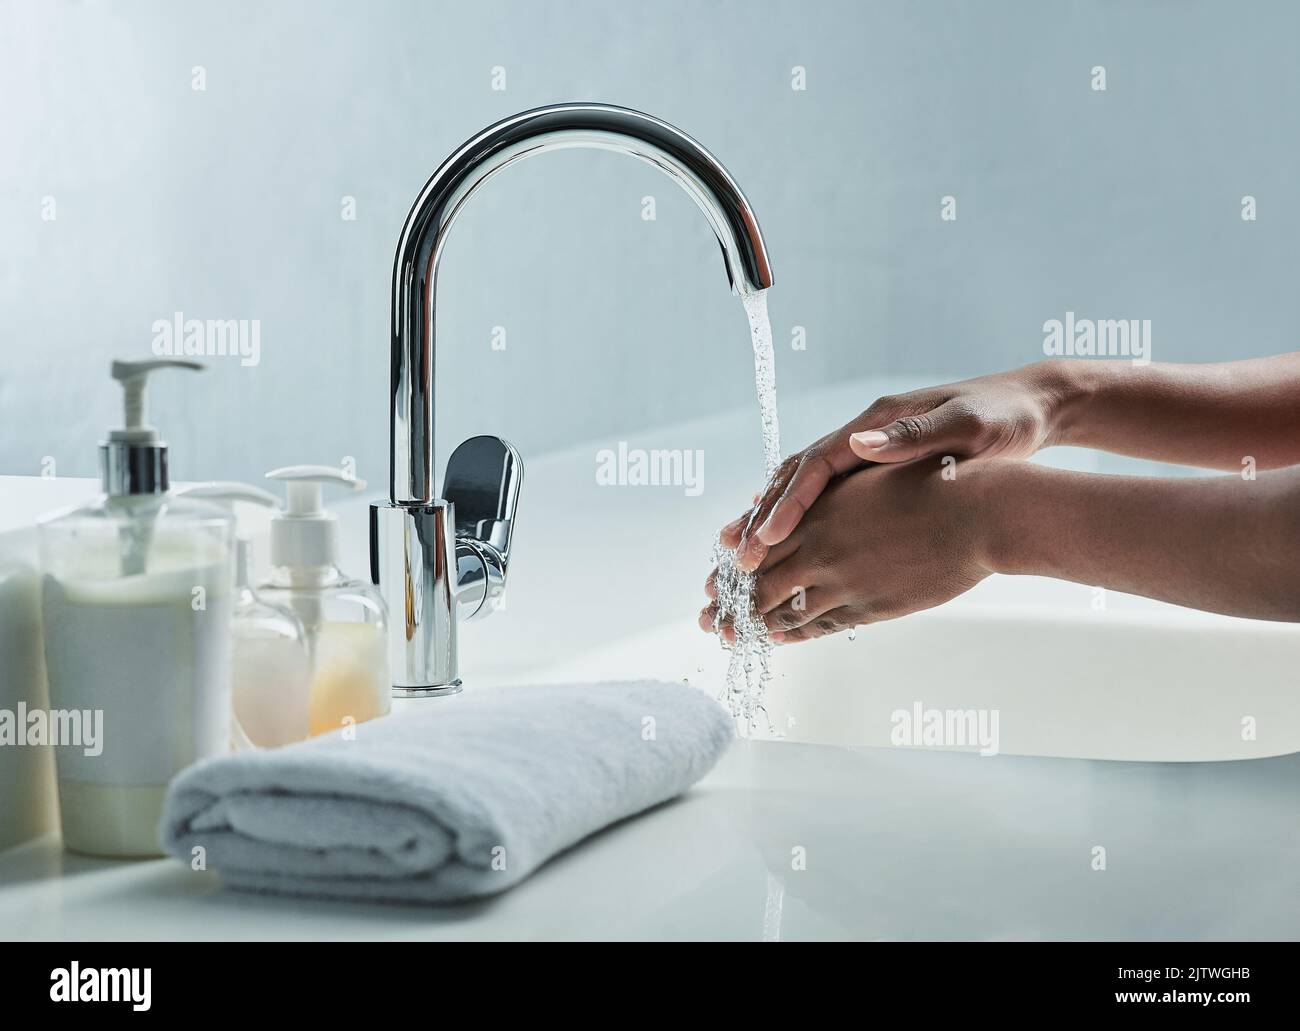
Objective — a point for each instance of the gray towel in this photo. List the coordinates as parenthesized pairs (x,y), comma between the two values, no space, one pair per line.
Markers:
(462,799)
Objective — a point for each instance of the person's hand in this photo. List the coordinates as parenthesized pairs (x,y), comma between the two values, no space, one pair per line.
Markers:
(880,543)
(1007,415)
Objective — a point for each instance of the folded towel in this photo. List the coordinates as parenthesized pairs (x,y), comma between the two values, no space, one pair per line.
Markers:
(462,799)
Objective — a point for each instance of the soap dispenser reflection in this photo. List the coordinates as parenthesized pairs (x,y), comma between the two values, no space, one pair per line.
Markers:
(344,618)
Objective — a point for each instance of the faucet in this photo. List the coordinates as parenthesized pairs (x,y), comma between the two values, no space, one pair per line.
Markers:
(438,560)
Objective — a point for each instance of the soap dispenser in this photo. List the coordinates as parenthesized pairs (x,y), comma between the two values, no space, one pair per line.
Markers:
(344,618)
(271,666)
(137,592)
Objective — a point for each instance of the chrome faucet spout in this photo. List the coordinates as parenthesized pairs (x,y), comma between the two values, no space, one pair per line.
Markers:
(420,246)
(434,558)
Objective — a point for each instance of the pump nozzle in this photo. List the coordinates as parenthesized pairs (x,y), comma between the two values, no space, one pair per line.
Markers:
(228,492)
(306,483)
(305,534)
(134,376)
(231,491)
(133,461)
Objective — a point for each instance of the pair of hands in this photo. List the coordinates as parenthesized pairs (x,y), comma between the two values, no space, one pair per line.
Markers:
(870,522)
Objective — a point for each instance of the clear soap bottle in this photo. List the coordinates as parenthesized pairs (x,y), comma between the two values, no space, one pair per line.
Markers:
(344,619)
(272,674)
(136,601)
(271,664)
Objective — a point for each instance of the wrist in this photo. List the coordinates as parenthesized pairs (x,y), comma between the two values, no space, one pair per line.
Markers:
(1067,389)
(1001,494)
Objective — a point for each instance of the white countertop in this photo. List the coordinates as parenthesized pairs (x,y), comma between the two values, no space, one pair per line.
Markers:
(898,844)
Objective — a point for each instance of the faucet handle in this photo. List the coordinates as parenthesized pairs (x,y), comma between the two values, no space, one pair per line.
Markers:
(482,482)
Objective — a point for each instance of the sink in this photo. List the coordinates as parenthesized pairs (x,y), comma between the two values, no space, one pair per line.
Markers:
(1072,671)
(1131,685)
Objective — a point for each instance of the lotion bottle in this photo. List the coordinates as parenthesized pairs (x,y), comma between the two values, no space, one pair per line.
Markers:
(136,608)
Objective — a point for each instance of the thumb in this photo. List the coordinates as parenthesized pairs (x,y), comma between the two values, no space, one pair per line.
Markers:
(947,428)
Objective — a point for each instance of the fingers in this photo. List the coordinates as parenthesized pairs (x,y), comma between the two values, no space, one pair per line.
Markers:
(764,558)
(760,557)
(709,621)
(708,617)
(951,428)
(780,600)
(802,618)
(731,533)
(831,622)
(894,429)
(802,608)
(780,584)
(814,472)
(820,463)
(774,556)
(751,551)
(750,554)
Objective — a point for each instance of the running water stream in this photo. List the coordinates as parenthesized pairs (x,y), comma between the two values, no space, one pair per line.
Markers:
(749,667)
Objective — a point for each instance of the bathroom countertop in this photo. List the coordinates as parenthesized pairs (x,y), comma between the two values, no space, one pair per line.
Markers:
(786,842)
(782,840)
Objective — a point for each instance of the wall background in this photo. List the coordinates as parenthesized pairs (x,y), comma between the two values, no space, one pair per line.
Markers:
(226,203)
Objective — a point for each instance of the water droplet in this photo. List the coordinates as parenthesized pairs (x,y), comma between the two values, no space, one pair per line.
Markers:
(853,633)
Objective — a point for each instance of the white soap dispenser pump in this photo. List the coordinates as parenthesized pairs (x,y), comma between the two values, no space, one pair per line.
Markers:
(344,618)
(134,458)
(304,535)
(137,595)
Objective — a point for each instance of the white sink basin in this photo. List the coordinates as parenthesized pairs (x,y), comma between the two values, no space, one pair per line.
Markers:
(1136,685)
(607,583)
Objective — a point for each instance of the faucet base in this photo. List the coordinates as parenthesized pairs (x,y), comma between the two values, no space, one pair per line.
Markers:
(442,691)
(412,563)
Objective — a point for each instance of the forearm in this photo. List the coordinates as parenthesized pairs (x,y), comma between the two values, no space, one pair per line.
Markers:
(1221,543)
(1212,416)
